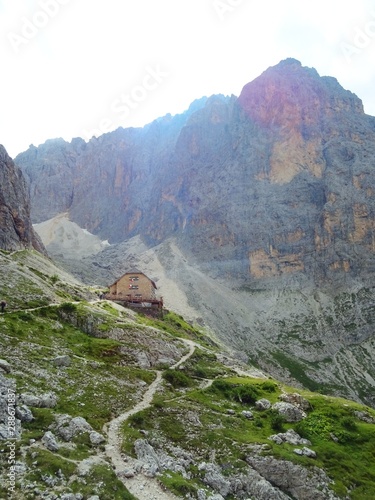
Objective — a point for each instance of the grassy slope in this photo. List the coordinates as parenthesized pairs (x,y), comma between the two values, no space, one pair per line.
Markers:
(103,381)
(349,461)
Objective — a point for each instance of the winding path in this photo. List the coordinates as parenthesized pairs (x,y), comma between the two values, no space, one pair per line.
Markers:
(142,487)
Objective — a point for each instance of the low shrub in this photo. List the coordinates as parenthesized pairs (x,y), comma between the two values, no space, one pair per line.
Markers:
(276,420)
(68,307)
(177,378)
(241,393)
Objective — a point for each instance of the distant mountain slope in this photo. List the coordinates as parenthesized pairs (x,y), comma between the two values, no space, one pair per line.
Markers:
(16,230)
(61,236)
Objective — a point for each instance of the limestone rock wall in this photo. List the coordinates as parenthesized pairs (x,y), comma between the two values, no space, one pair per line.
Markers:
(275,185)
(16,230)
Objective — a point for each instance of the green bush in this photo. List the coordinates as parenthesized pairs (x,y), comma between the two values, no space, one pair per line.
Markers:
(242,393)
(177,378)
(268,386)
(276,420)
(316,424)
(349,424)
(137,419)
(201,372)
(178,484)
(68,307)
(247,394)
(25,317)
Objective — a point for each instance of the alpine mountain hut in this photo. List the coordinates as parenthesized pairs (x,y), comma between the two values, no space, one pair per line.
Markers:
(135,288)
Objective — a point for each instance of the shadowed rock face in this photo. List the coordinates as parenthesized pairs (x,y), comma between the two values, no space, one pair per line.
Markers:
(16,230)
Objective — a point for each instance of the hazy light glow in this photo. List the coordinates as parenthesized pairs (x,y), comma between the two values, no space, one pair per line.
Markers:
(74,68)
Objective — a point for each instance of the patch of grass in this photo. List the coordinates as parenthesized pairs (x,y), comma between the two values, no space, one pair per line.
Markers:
(48,463)
(297,370)
(242,393)
(204,364)
(139,420)
(268,386)
(177,378)
(103,482)
(348,461)
(345,446)
(276,420)
(100,480)
(54,279)
(43,418)
(110,309)
(106,350)
(68,307)
(176,326)
(172,427)
(24,316)
(86,393)
(177,484)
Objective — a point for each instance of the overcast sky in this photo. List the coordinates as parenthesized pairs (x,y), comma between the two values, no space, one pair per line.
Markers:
(77,68)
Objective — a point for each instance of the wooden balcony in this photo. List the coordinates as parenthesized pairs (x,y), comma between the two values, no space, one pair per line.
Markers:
(135,301)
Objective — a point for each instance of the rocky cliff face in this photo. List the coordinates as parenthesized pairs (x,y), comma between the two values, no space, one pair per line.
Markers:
(277,184)
(16,230)
(261,208)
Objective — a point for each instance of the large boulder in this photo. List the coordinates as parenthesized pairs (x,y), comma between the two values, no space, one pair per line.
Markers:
(147,455)
(296,400)
(250,484)
(96,438)
(263,404)
(306,452)
(68,427)
(50,442)
(215,479)
(62,361)
(47,400)
(24,414)
(5,366)
(291,437)
(290,412)
(297,482)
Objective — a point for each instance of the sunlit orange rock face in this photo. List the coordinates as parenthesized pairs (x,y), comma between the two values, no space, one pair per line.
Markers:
(314,129)
(293,103)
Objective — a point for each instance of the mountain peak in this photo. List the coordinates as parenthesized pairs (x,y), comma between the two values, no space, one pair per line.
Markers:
(290,61)
(288,94)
